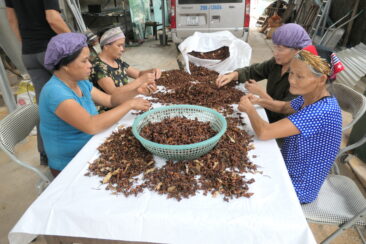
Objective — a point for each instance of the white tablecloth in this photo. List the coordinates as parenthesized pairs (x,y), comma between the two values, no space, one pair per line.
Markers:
(75,205)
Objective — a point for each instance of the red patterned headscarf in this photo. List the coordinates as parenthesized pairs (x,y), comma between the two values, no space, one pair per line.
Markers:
(329,57)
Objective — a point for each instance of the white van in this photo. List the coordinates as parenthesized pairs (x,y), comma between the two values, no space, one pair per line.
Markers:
(188,16)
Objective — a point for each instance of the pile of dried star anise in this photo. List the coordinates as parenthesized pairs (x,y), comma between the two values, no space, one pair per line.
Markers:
(177,131)
(220,53)
(123,159)
(128,168)
(199,88)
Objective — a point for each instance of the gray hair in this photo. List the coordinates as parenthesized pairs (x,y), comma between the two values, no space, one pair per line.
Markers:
(312,69)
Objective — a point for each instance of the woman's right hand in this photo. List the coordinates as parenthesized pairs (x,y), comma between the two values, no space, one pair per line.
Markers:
(245,103)
(139,104)
(222,80)
(147,88)
(254,99)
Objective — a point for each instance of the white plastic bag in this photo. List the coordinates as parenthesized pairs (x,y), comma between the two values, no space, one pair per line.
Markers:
(25,93)
(240,51)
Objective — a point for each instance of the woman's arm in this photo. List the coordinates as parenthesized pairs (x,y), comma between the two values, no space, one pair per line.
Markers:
(143,85)
(282,107)
(256,72)
(253,87)
(120,94)
(263,129)
(74,114)
(135,73)
(108,85)
(117,98)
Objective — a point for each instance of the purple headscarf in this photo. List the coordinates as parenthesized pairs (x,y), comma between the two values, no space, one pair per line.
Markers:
(61,46)
(291,35)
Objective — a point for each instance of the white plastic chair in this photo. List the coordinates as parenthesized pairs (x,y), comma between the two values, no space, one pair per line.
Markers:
(350,101)
(340,201)
(14,128)
(354,103)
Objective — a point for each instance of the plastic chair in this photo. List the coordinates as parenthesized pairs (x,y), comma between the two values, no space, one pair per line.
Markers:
(350,101)
(14,128)
(340,202)
(354,103)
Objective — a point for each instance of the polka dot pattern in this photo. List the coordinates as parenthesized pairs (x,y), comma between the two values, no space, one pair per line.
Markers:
(309,155)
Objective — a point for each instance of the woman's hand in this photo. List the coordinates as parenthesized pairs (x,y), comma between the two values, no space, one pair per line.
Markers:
(245,103)
(157,73)
(139,104)
(147,77)
(147,88)
(222,80)
(253,87)
(254,99)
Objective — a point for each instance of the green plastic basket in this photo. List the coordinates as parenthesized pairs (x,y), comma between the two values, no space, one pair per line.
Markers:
(180,152)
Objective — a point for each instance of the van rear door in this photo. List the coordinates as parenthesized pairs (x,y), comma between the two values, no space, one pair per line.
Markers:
(192,15)
(208,16)
(227,15)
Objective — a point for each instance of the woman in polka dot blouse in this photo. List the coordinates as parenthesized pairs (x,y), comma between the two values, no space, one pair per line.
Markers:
(313,129)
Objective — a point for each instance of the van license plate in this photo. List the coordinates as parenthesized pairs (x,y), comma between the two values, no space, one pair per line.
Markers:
(192,20)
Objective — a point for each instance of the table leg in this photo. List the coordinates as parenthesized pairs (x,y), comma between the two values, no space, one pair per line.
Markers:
(155,31)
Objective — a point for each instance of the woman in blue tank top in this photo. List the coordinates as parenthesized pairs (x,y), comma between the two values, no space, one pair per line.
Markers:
(68,115)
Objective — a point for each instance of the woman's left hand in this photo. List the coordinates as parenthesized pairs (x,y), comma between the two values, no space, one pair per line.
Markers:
(245,103)
(157,73)
(147,88)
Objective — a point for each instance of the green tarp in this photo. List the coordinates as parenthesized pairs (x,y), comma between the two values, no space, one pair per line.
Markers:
(158,13)
(140,13)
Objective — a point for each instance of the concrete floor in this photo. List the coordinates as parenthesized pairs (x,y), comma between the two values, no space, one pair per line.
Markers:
(17,185)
